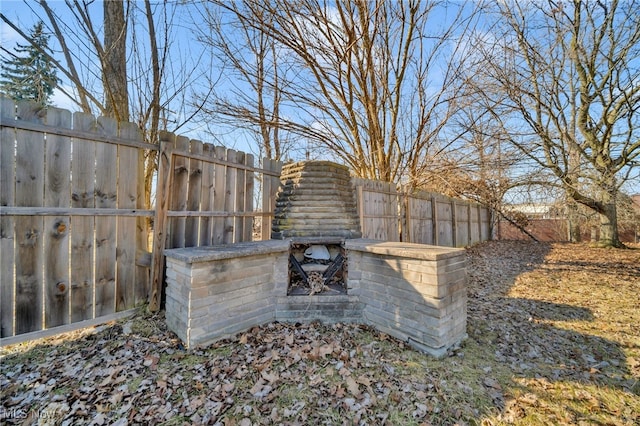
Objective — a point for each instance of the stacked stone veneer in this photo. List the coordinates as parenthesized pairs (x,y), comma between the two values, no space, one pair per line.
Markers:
(315,199)
(414,292)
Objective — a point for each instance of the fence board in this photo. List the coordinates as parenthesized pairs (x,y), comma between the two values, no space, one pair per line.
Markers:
(7,223)
(29,192)
(378,204)
(485,224)
(474,224)
(193,197)
(179,189)
(265,221)
(106,193)
(161,224)
(249,187)
(271,183)
(82,228)
(206,199)
(461,224)
(126,226)
(56,235)
(219,195)
(142,271)
(420,219)
(238,221)
(444,223)
(230,197)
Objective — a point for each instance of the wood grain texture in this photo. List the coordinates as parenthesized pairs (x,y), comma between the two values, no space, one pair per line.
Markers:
(82,227)
(192,232)
(219,195)
(127,191)
(7,224)
(30,157)
(180,185)
(57,193)
(105,242)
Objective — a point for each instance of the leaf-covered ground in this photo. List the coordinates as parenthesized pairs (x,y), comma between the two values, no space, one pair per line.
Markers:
(554,338)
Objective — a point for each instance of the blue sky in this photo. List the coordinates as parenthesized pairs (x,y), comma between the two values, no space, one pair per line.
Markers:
(185,48)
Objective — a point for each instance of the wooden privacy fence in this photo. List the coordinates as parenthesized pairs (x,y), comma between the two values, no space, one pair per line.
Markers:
(73,241)
(419,216)
(72,226)
(206,197)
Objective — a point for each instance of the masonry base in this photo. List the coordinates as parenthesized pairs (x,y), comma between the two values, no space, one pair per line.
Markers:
(414,292)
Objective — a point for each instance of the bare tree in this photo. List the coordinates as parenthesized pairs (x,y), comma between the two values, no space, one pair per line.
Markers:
(367,84)
(254,73)
(562,79)
(106,79)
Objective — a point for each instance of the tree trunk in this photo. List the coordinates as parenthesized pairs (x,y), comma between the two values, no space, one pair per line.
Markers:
(114,62)
(609,226)
(575,233)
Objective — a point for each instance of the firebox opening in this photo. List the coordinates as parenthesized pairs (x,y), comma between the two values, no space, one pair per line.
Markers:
(317,268)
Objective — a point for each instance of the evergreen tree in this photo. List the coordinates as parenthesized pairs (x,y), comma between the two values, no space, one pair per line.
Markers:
(28,74)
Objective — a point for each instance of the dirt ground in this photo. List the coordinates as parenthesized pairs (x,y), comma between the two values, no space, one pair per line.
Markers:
(554,338)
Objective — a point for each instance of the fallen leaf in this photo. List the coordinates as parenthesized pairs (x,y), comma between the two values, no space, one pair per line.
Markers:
(353,387)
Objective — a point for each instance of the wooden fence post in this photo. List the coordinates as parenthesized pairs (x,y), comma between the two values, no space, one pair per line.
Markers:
(7,223)
(163,200)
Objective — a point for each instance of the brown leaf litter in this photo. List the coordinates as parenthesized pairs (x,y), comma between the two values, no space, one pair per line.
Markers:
(554,338)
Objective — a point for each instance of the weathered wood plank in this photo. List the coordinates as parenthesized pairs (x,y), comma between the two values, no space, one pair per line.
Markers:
(238,222)
(73,133)
(179,191)
(219,195)
(192,232)
(485,224)
(474,223)
(7,224)
(106,193)
(206,199)
(127,192)
(29,192)
(72,211)
(461,224)
(248,199)
(265,221)
(82,228)
(163,201)
(444,220)
(230,197)
(56,236)
(143,273)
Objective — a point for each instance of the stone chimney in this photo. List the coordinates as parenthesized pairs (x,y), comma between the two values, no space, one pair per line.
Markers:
(315,199)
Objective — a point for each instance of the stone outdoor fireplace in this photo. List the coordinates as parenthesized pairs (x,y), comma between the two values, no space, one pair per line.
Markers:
(316,210)
(317,267)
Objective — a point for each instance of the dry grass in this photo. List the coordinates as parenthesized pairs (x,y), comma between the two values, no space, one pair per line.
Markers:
(554,338)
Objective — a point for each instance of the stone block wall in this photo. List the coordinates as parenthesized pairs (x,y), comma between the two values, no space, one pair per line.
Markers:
(414,292)
(216,292)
